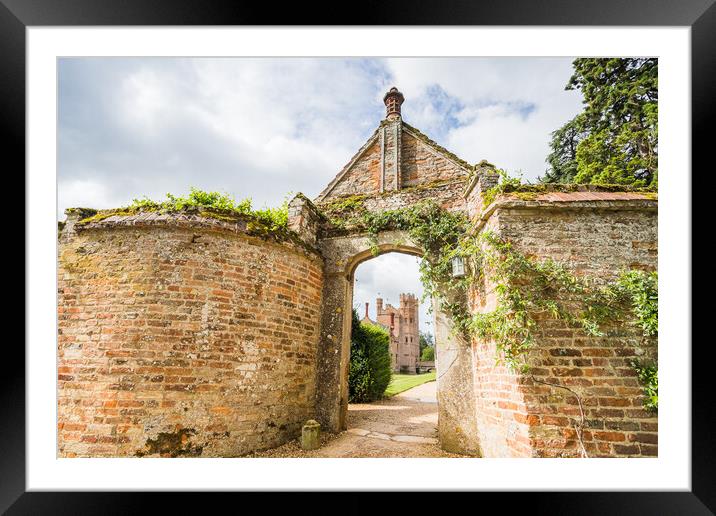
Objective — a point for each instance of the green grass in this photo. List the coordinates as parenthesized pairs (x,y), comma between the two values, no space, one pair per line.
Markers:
(403,382)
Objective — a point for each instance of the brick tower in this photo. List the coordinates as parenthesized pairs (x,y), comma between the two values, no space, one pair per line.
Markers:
(402,325)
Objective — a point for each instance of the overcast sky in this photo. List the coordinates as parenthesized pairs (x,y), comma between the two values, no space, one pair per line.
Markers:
(261,128)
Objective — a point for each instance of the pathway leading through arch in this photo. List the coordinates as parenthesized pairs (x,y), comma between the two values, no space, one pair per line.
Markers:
(404,425)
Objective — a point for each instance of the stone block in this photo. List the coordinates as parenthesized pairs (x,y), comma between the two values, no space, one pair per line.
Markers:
(311,435)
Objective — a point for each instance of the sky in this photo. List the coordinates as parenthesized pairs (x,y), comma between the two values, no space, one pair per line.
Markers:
(267,127)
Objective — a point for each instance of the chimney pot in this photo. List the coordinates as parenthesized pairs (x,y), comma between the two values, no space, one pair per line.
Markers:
(393,100)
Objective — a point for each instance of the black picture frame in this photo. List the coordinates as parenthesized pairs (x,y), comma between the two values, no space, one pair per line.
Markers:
(699,15)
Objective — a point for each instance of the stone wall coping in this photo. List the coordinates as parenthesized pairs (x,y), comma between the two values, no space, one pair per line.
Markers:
(609,201)
(545,188)
(315,210)
(471,185)
(207,219)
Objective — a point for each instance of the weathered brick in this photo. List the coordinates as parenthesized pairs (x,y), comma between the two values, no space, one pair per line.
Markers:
(185,347)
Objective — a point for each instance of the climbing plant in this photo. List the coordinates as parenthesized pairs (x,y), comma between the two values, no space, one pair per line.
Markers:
(648,376)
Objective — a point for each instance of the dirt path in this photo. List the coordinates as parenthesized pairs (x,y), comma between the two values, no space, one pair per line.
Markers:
(402,426)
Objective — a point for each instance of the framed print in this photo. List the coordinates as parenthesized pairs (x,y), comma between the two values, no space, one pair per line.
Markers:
(424,257)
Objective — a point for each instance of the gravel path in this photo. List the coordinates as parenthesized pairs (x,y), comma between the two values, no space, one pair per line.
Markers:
(402,426)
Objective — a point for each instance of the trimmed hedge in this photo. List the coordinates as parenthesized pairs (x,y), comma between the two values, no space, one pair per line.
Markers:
(369,370)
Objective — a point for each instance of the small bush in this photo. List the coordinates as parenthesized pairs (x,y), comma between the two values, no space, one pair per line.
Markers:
(369,369)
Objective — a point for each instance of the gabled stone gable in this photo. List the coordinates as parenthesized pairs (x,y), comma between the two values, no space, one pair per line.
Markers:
(361,175)
(396,156)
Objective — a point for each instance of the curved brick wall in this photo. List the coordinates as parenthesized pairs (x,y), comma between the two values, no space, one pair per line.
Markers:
(183,336)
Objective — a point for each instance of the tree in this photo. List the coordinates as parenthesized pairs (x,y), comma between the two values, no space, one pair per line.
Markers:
(369,368)
(426,341)
(563,158)
(615,139)
(428,354)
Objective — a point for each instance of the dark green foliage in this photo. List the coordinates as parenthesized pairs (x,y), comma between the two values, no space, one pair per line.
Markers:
(615,139)
(369,369)
(563,158)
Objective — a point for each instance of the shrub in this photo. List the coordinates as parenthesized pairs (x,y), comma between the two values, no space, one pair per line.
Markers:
(272,219)
(369,370)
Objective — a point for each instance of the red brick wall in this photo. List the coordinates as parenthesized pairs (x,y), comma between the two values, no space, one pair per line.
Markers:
(364,176)
(517,416)
(422,164)
(183,341)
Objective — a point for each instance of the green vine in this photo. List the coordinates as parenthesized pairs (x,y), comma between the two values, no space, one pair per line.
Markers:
(648,377)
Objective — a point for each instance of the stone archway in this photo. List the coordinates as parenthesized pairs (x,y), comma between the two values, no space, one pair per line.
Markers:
(343,254)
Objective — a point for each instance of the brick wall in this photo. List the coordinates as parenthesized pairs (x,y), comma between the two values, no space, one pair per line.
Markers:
(423,164)
(363,176)
(517,416)
(183,338)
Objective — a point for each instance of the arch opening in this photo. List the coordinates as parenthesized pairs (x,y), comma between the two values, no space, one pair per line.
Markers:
(454,389)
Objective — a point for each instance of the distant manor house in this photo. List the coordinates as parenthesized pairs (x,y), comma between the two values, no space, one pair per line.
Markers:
(402,326)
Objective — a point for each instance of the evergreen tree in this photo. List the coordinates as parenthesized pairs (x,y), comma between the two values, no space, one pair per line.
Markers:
(563,158)
(615,139)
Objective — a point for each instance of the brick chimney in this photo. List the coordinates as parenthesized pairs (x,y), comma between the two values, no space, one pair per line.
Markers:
(366,310)
(393,100)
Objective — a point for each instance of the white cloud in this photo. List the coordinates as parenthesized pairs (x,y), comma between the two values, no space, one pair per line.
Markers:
(509,106)
(75,193)
(252,127)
